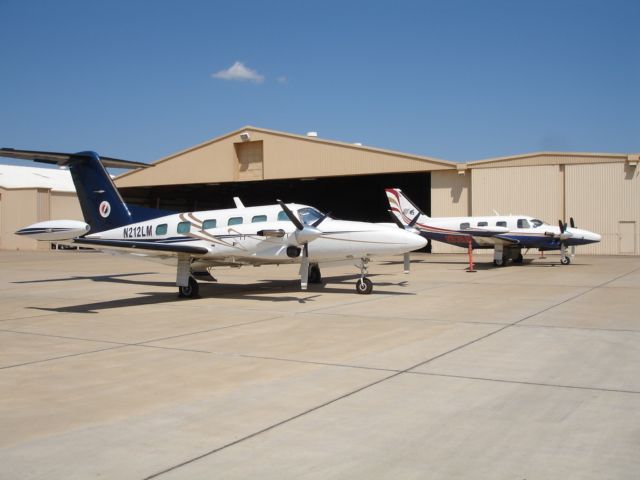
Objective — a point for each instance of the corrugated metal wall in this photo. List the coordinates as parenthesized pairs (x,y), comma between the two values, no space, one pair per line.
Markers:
(450,197)
(535,191)
(605,198)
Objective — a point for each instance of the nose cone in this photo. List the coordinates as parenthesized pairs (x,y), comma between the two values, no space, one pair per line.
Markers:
(413,240)
(585,236)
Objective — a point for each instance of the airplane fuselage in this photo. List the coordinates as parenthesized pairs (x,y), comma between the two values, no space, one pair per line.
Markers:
(261,235)
(522,230)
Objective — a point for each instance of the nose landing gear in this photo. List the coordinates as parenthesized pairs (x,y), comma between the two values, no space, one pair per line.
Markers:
(364,286)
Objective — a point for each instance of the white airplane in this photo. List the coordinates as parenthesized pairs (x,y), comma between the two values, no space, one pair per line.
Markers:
(507,235)
(198,241)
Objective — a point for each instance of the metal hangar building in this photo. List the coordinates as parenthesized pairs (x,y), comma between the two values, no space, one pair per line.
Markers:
(601,191)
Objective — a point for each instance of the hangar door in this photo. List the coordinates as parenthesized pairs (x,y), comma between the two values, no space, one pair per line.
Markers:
(350,197)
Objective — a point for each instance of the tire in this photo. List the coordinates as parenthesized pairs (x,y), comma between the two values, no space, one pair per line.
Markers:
(364,286)
(314,274)
(190,291)
(565,261)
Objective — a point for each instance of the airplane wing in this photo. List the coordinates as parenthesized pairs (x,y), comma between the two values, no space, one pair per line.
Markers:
(141,246)
(486,236)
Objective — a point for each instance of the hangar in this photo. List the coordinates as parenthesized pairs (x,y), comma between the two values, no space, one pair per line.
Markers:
(600,191)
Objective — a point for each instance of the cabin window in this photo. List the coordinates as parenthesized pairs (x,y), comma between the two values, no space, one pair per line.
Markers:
(483,224)
(501,223)
(161,229)
(184,227)
(235,221)
(259,218)
(523,223)
(464,225)
(207,224)
(282,217)
(536,223)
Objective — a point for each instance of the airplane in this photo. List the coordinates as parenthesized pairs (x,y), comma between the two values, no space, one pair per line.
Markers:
(197,241)
(507,235)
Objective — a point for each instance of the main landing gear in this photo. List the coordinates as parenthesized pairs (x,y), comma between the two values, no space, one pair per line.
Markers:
(364,286)
(189,291)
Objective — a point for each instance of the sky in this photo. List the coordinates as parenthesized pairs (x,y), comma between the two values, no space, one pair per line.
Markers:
(456,80)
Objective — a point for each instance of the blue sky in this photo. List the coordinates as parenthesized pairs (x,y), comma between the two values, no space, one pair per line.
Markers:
(458,80)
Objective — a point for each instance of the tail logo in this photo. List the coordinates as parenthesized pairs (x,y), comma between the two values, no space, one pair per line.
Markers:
(104,209)
(409,211)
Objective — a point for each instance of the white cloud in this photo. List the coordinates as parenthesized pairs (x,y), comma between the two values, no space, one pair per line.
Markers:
(282,79)
(238,71)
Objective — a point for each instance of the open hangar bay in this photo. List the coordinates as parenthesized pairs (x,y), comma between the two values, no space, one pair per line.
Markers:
(521,372)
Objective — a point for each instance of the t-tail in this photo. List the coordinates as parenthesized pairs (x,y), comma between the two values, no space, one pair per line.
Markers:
(101,203)
(402,207)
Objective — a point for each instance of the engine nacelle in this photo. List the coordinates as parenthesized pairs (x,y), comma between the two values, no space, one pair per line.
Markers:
(53,230)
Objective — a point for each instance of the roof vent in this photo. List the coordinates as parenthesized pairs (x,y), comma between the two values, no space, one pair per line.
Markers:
(312,134)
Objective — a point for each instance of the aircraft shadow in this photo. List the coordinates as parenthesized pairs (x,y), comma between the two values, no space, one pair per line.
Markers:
(103,278)
(263,290)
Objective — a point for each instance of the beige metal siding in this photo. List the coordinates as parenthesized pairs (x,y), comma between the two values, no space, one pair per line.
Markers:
(19,209)
(211,163)
(284,156)
(302,158)
(250,157)
(450,197)
(547,158)
(601,196)
(65,206)
(533,191)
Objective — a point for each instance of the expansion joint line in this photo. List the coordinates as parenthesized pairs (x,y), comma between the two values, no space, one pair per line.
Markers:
(373,384)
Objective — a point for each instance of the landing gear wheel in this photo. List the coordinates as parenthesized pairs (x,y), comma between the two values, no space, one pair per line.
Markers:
(190,291)
(565,261)
(314,274)
(364,286)
(498,263)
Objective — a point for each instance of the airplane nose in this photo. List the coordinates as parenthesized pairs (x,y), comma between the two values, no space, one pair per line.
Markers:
(414,241)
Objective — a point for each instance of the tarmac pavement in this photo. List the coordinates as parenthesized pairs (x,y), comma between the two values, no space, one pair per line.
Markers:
(521,372)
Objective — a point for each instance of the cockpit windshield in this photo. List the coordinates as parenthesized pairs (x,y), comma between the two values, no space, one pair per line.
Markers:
(309,215)
(536,223)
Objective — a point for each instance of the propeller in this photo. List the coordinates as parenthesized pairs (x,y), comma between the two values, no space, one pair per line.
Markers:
(304,234)
(406,258)
(565,235)
(572,223)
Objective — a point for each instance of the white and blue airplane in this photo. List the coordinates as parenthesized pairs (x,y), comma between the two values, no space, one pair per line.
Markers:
(507,235)
(197,241)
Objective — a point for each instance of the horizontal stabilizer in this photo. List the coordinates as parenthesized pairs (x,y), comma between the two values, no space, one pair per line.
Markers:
(65,158)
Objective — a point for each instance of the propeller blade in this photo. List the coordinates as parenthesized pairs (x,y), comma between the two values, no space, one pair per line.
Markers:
(290,215)
(415,219)
(304,267)
(407,262)
(320,220)
(396,220)
(563,226)
(572,223)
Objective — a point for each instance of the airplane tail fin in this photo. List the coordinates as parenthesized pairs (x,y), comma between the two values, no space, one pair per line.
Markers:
(101,203)
(402,207)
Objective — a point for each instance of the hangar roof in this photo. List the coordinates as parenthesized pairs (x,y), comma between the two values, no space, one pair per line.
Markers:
(550,158)
(252,153)
(16,176)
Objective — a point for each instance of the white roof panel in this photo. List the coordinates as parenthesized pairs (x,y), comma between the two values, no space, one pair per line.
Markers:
(56,179)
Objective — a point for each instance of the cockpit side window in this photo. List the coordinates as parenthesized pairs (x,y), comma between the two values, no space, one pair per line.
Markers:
(536,223)
(309,215)
(523,223)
